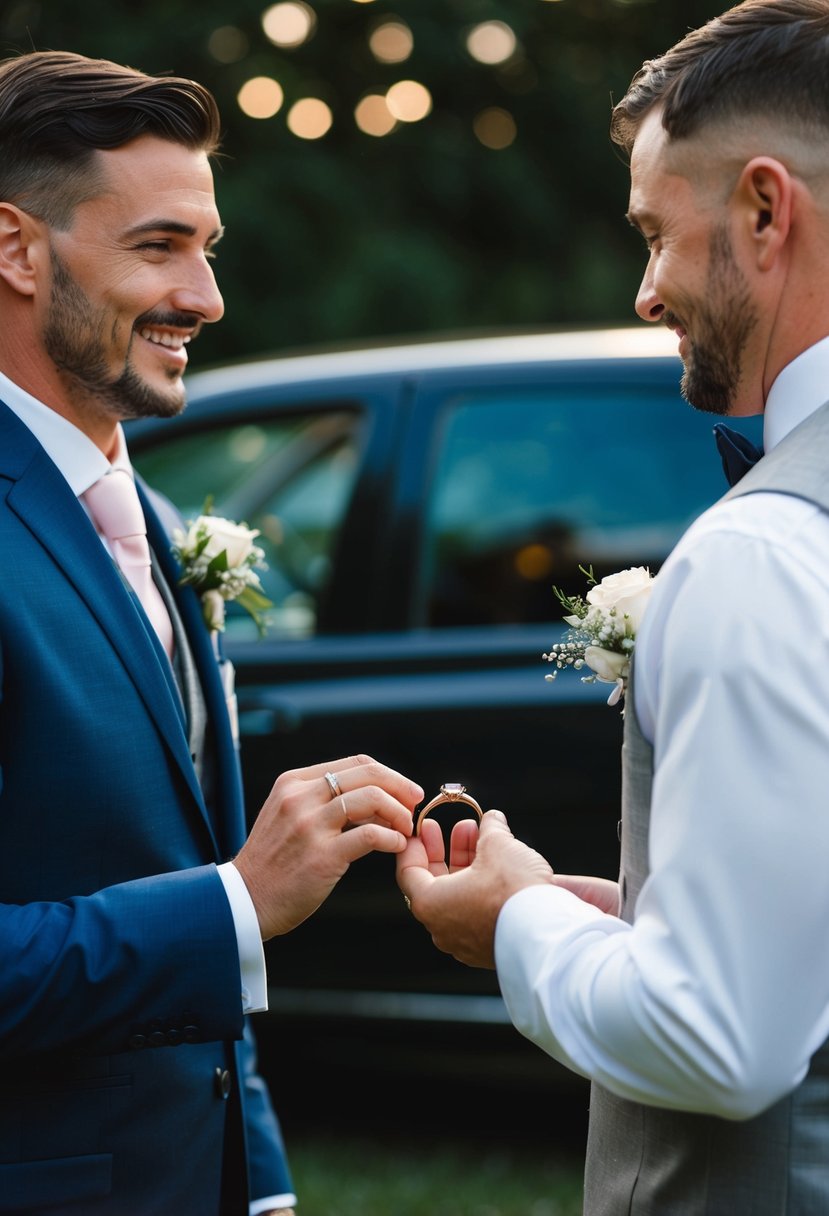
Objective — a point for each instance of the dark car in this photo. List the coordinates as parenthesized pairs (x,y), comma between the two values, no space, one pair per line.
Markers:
(417,504)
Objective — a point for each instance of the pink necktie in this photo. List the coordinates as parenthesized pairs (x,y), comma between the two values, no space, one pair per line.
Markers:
(117,512)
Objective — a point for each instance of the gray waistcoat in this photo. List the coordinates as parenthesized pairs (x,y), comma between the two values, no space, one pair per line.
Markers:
(645,1161)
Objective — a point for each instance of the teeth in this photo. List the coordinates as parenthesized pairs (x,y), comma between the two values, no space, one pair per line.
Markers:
(173,341)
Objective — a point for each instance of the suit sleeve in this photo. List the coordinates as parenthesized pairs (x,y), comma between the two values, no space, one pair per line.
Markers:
(94,973)
(269,1172)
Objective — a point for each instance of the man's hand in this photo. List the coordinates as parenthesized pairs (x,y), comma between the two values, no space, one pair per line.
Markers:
(602,893)
(306,835)
(459,903)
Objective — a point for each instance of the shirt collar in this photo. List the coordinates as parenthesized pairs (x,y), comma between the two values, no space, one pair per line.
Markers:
(801,387)
(80,461)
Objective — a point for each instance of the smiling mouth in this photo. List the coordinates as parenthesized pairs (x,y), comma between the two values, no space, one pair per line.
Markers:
(165,338)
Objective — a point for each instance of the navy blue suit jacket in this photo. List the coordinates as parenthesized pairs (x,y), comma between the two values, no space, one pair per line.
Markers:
(126,1064)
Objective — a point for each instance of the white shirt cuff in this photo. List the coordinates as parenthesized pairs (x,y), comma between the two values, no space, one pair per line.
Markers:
(248,939)
(272,1204)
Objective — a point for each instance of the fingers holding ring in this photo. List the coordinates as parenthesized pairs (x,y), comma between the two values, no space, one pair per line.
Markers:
(333,785)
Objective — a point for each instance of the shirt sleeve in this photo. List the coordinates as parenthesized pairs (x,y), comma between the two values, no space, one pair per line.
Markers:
(253,974)
(716,997)
(272,1204)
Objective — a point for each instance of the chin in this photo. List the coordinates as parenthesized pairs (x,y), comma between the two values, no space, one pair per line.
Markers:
(137,398)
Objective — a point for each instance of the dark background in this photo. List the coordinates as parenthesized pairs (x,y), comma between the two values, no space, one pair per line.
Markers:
(352,238)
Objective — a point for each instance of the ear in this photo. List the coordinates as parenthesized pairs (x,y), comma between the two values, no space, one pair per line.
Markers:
(765,197)
(21,240)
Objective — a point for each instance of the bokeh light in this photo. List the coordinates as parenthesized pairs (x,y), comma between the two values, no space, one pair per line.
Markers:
(289,24)
(491,42)
(409,101)
(391,42)
(310,118)
(495,127)
(260,97)
(373,116)
(534,562)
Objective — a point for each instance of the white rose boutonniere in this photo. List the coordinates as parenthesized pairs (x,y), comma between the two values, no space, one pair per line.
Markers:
(220,559)
(603,627)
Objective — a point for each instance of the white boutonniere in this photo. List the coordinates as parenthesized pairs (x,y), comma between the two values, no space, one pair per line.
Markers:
(219,559)
(603,627)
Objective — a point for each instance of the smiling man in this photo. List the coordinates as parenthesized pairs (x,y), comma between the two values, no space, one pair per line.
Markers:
(694,992)
(130,284)
(132,908)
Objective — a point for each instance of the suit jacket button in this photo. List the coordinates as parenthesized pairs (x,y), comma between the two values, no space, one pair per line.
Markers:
(174,1037)
(158,1039)
(222,1082)
(137,1041)
(192,1034)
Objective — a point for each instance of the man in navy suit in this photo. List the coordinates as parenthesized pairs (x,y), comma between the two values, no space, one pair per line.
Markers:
(133,908)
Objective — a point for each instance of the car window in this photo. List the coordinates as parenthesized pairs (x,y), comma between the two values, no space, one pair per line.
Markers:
(531,483)
(290,477)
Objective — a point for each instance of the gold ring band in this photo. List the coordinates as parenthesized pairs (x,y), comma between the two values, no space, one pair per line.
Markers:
(450,791)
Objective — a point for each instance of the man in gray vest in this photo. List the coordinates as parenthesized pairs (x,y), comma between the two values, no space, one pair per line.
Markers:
(695,991)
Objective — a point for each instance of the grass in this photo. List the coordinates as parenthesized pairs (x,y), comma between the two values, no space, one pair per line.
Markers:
(377,1177)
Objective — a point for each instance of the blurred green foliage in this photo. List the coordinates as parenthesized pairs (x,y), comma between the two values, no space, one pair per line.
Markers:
(350,237)
(376,1176)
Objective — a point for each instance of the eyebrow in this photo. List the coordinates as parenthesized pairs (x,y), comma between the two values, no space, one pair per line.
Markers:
(175,227)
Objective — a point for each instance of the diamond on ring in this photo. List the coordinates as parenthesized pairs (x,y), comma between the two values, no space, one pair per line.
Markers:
(333,784)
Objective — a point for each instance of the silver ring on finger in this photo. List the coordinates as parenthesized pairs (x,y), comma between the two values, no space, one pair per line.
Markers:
(342,804)
(333,784)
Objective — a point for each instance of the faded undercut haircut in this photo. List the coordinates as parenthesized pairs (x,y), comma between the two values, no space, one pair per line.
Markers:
(58,108)
(760,58)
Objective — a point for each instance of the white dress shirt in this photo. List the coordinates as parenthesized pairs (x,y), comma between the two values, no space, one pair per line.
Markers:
(716,997)
(82,464)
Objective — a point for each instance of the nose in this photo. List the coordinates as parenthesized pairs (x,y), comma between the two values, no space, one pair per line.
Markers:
(199,293)
(648,305)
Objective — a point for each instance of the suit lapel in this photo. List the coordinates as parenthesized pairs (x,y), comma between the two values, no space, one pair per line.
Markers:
(43,500)
(228,792)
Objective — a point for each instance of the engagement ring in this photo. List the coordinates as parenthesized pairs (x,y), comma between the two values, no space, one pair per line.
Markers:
(450,791)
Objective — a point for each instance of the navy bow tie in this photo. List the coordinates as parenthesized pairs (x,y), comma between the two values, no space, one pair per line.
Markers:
(738,453)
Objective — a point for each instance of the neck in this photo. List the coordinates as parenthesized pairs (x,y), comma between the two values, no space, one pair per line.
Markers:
(48,388)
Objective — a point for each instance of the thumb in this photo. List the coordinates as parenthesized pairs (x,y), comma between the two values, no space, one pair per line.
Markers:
(493,823)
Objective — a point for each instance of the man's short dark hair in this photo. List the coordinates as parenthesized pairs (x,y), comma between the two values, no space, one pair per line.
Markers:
(58,108)
(760,58)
